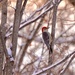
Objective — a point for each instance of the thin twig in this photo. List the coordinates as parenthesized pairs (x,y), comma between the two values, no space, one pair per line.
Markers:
(39,60)
(34,19)
(29,41)
(63,71)
(34,13)
(64,32)
(56,64)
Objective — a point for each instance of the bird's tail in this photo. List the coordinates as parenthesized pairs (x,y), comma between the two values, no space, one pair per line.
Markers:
(50,55)
(50,50)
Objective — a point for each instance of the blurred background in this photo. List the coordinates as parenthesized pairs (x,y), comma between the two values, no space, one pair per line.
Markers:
(24,23)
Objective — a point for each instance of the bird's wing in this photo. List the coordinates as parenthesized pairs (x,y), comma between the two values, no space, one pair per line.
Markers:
(47,38)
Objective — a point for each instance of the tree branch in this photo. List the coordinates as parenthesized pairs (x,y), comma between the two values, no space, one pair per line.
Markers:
(29,41)
(63,71)
(56,64)
(16,25)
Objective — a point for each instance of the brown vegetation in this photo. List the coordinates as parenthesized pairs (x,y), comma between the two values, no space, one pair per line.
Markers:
(20,31)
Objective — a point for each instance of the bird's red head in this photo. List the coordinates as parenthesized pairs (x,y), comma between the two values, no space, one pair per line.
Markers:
(44,28)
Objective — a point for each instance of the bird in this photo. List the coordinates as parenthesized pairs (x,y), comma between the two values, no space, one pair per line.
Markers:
(46,38)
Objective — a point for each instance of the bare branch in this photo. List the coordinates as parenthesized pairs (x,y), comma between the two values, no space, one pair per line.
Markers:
(3,42)
(64,32)
(56,64)
(39,60)
(54,24)
(68,64)
(34,13)
(2,27)
(16,25)
(29,41)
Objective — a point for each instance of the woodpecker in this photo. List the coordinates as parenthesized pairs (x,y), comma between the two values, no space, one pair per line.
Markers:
(46,38)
